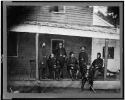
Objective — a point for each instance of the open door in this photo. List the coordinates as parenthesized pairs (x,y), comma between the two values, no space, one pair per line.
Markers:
(55,43)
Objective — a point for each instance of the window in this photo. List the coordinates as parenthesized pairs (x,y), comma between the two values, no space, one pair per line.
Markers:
(12,47)
(57,9)
(110,52)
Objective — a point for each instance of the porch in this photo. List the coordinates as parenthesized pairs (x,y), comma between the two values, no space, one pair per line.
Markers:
(45,33)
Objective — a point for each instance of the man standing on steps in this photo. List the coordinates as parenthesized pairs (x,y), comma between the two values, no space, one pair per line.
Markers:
(60,55)
(83,60)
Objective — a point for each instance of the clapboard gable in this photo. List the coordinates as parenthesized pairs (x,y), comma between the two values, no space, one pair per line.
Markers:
(71,14)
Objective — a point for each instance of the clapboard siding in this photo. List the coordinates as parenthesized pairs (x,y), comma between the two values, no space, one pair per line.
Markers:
(75,15)
(26,52)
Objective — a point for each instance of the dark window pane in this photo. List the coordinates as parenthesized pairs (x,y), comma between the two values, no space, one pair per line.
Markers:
(56,9)
(110,52)
(12,44)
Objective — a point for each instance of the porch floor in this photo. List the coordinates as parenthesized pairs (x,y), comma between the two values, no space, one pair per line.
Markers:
(27,77)
(67,83)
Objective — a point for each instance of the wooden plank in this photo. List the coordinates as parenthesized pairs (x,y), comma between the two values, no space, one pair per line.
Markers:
(106,58)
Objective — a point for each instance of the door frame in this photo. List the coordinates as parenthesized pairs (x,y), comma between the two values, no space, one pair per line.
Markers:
(57,39)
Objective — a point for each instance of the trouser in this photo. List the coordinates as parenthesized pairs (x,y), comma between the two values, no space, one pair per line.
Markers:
(56,73)
(42,73)
(96,73)
(42,67)
(68,68)
(83,70)
(61,63)
(50,71)
(73,72)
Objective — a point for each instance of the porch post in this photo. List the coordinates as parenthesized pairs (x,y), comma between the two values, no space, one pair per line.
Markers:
(37,76)
(106,58)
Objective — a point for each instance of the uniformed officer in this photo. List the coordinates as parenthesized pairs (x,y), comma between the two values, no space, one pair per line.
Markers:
(83,60)
(42,60)
(52,61)
(60,55)
(72,65)
(87,77)
(97,65)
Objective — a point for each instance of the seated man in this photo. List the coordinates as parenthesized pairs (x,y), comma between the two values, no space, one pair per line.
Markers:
(53,66)
(88,76)
(72,65)
(97,65)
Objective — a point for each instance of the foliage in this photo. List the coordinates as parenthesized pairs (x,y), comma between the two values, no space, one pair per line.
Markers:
(112,15)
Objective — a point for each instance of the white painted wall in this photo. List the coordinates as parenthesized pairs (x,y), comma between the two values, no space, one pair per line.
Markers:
(97,46)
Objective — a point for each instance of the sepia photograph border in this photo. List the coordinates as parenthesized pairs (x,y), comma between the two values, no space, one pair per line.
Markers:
(4,4)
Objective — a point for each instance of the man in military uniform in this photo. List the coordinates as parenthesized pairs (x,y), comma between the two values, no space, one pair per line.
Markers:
(72,65)
(60,55)
(97,65)
(53,66)
(83,60)
(42,60)
(88,76)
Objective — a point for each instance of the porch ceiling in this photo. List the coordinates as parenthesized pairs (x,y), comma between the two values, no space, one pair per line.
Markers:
(82,31)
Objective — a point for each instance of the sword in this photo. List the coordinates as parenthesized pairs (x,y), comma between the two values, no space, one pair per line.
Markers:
(91,87)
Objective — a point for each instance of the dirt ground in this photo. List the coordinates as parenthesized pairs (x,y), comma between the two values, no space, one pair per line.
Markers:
(38,89)
(59,92)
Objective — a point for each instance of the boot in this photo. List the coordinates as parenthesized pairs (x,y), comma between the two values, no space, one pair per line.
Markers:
(82,88)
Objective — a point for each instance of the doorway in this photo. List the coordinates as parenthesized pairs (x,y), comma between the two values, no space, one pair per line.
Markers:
(54,44)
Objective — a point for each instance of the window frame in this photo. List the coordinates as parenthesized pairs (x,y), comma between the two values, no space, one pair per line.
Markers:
(103,51)
(53,12)
(57,39)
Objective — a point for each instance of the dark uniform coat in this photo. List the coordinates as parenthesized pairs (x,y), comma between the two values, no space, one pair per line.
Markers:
(97,64)
(60,52)
(72,62)
(42,57)
(52,62)
(83,60)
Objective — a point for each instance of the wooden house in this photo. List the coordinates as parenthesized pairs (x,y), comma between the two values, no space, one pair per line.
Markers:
(72,25)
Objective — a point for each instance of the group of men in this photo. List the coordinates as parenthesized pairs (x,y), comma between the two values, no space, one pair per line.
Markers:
(58,60)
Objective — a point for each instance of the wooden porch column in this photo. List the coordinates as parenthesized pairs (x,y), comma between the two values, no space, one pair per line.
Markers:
(37,38)
(106,58)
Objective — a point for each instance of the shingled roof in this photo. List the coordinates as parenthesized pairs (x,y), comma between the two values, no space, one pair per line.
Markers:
(93,28)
